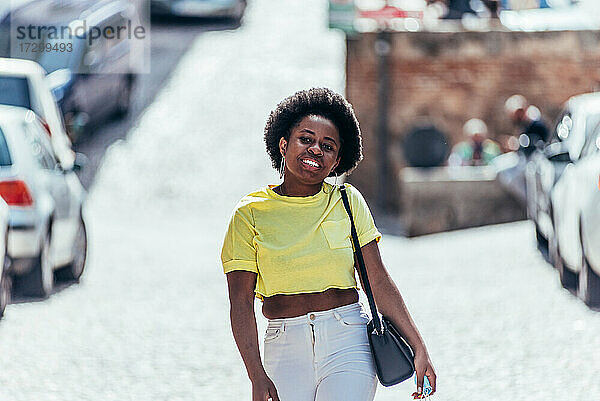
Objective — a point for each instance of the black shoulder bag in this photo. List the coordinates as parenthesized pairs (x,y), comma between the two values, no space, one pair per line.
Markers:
(394,359)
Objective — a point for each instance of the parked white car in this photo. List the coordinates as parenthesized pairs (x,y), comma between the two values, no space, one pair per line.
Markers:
(574,126)
(589,277)
(5,279)
(24,83)
(576,203)
(46,226)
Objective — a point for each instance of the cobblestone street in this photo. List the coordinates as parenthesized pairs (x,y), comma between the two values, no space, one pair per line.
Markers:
(149,320)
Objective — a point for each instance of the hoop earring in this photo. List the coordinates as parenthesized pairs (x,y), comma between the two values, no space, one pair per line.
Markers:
(282,167)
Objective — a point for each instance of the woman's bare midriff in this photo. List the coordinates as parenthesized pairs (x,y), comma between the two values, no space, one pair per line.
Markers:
(284,306)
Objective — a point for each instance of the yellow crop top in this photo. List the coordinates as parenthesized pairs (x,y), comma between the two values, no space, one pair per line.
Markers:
(296,244)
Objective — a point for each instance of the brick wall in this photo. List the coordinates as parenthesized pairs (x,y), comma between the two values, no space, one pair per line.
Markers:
(449,77)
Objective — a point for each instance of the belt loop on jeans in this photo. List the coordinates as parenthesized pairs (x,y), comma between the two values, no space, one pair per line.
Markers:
(337,315)
(280,324)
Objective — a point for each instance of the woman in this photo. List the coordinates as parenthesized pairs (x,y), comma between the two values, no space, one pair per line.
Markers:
(289,245)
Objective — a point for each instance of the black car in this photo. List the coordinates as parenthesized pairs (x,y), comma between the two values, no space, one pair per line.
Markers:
(233,9)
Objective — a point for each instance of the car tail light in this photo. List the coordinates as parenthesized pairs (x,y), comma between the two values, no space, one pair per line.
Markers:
(15,193)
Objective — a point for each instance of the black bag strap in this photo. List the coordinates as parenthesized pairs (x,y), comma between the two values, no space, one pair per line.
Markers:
(361,262)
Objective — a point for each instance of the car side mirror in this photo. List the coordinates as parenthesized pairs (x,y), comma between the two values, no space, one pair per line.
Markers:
(557,152)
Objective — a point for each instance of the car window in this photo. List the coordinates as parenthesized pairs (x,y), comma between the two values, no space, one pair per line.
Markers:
(39,145)
(14,91)
(5,159)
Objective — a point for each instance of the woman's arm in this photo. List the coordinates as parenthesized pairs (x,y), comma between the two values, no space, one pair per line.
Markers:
(243,324)
(390,304)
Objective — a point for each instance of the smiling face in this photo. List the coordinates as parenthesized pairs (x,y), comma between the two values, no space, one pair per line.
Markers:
(312,151)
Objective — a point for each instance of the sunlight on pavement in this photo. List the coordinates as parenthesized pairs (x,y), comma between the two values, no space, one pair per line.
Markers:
(150,318)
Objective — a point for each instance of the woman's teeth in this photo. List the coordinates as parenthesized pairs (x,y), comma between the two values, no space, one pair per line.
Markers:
(311,163)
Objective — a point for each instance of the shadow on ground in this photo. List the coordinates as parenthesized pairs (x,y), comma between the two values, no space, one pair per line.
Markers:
(19,298)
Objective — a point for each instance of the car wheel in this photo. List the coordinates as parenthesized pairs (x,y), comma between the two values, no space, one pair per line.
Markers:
(239,11)
(530,201)
(541,242)
(589,282)
(124,101)
(5,292)
(553,251)
(568,279)
(589,285)
(74,270)
(39,282)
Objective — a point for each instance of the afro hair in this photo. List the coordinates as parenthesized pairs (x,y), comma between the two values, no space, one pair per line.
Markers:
(321,102)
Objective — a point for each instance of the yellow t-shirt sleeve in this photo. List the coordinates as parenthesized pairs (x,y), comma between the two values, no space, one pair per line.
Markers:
(239,252)
(363,220)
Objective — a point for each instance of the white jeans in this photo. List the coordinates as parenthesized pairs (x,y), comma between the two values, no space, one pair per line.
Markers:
(321,356)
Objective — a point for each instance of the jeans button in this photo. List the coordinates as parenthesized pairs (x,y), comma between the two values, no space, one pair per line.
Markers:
(312,316)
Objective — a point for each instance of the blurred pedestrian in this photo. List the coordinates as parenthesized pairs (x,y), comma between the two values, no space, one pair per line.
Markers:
(494,6)
(456,9)
(289,245)
(477,149)
(527,118)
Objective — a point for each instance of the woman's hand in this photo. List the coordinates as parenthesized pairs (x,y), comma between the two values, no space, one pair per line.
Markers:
(423,367)
(390,304)
(263,389)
